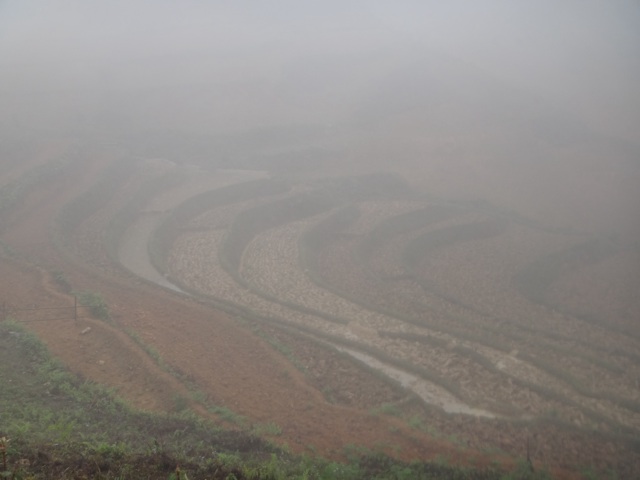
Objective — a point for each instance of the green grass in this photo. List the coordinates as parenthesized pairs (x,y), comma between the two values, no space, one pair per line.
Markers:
(149,350)
(270,429)
(280,347)
(55,425)
(228,415)
(95,303)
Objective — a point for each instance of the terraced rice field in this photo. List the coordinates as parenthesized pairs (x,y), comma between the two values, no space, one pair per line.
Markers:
(477,310)
(496,327)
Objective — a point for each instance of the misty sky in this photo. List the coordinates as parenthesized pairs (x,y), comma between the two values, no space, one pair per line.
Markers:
(584,54)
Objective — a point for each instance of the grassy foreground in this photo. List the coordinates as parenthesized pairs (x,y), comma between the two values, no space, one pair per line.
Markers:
(54,425)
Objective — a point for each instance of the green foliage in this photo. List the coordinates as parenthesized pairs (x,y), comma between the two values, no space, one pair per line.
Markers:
(282,348)
(152,352)
(269,428)
(227,414)
(48,413)
(229,460)
(180,403)
(96,304)
(111,450)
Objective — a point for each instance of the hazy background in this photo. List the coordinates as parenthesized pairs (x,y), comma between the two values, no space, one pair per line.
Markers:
(533,106)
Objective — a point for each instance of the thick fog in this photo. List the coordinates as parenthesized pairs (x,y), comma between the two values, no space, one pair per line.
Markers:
(447,192)
(529,105)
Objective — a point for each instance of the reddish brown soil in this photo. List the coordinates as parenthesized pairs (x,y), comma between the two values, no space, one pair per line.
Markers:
(224,359)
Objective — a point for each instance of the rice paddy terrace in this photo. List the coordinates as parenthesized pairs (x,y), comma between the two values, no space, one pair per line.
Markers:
(477,310)
(499,323)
